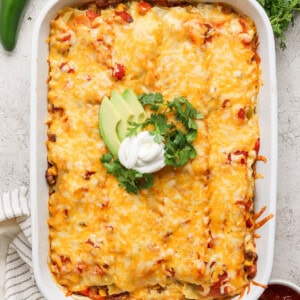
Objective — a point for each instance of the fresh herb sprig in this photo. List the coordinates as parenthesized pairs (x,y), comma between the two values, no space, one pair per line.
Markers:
(155,100)
(131,180)
(178,139)
(281,14)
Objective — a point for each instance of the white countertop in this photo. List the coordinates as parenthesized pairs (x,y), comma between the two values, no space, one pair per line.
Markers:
(14,137)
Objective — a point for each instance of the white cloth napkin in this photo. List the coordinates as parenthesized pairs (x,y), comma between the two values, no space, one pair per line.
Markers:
(19,283)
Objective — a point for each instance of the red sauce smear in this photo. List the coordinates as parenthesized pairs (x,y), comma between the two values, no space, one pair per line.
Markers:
(279,292)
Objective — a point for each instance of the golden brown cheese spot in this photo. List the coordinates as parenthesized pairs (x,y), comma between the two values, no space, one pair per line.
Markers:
(187,236)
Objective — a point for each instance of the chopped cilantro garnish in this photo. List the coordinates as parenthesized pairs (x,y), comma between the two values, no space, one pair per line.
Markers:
(131,180)
(154,100)
(178,142)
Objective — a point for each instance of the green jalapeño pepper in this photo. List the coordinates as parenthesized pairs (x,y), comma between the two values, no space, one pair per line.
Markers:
(10,16)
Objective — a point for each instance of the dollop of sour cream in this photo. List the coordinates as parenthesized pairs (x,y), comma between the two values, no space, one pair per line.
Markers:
(142,153)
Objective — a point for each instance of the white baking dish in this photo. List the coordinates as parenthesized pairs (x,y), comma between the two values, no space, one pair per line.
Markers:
(265,188)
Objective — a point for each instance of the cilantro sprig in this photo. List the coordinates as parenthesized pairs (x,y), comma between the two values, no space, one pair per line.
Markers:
(154,100)
(131,180)
(281,14)
(178,149)
(177,136)
(157,121)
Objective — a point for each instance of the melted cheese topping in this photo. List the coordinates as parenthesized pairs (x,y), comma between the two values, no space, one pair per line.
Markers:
(186,237)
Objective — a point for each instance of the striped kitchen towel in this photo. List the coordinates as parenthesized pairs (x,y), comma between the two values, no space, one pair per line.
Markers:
(19,283)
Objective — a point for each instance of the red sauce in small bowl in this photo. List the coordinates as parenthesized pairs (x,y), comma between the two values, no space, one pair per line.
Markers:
(279,292)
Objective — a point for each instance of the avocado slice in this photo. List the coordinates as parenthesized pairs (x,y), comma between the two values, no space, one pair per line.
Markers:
(109,119)
(135,105)
(124,111)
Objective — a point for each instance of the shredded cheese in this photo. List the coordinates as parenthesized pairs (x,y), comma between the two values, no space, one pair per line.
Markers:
(188,235)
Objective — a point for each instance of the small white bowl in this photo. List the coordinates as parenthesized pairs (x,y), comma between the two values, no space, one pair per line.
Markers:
(285,283)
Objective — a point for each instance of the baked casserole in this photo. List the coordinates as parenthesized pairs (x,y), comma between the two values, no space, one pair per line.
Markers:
(191,235)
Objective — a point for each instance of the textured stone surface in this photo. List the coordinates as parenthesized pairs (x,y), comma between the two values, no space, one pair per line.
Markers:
(14,135)
(287,249)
